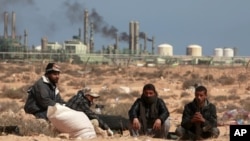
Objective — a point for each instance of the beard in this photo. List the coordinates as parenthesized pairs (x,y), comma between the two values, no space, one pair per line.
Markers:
(149,99)
(200,103)
(54,81)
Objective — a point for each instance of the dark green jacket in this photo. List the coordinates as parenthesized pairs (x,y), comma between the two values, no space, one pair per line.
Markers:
(41,95)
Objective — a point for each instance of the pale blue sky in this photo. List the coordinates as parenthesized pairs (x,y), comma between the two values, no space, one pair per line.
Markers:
(209,23)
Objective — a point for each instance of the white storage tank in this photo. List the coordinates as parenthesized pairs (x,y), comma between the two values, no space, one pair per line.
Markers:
(165,50)
(228,52)
(218,52)
(194,50)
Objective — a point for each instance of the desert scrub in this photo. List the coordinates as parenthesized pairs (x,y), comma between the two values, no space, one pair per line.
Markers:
(226,80)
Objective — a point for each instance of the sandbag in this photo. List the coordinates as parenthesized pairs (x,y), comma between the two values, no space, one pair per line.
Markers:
(70,121)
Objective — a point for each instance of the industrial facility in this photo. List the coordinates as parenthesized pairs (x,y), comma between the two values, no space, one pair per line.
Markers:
(81,49)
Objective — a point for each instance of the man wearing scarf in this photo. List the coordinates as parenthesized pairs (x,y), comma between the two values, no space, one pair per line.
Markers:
(199,119)
(149,114)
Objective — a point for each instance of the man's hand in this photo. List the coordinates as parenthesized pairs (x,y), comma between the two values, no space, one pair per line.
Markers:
(198,118)
(136,124)
(110,132)
(157,124)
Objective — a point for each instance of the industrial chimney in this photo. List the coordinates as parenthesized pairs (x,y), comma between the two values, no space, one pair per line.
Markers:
(91,41)
(153,45)
(5,25)
(131,37)
(44,42)
(13,26)
(79,34)
(117,44)
(136,37)
(85,28)
(25,40)
(145,43)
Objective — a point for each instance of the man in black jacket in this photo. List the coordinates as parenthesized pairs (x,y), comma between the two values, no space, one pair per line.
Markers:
(44,93)
(199,118)
(82,101)
(149,114)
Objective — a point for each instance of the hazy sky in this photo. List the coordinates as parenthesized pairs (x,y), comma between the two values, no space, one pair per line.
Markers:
(208,23)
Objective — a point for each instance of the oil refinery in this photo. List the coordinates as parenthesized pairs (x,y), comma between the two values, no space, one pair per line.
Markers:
(81,49)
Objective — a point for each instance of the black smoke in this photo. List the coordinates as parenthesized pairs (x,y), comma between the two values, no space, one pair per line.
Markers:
(74,12)
(142,35)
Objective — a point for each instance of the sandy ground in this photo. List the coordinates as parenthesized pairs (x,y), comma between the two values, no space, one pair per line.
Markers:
(168,81)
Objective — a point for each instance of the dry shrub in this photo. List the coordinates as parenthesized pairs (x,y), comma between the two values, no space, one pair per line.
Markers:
(2,67)
(220,98)
(190,82)
(231,106)
(28,127)
(96,81)
(72,73)
(241,78)
(64,79)
(246,104)
(195,76)
(13,93)
(118,109)
(114,93)
(75,83)
(226,80)
(135,93)
(98,71)
(180,109)
(9,106)
(175,76)
(139,79)
(184,102)
(233,97)
(185,94)
(187,73)
(148,75)
(11,114)
(168,96)
(232,91)
(209,77)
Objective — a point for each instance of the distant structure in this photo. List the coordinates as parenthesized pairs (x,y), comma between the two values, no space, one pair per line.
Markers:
(218,52)
(85,27)
(75,46)
(235,51)
(44,42)
(228,52)
(54,46)
(194,50)
(134,37)
(13,26)
(165,50)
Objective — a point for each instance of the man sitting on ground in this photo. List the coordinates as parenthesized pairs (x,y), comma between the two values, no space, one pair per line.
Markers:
(82,101)
(199,119)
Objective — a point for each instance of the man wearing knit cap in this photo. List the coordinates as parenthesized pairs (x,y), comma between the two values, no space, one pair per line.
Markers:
(44,92)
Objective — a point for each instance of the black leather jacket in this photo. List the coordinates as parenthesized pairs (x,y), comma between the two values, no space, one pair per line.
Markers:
(162,111)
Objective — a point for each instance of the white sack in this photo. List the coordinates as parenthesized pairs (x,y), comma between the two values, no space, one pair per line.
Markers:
(70,121)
